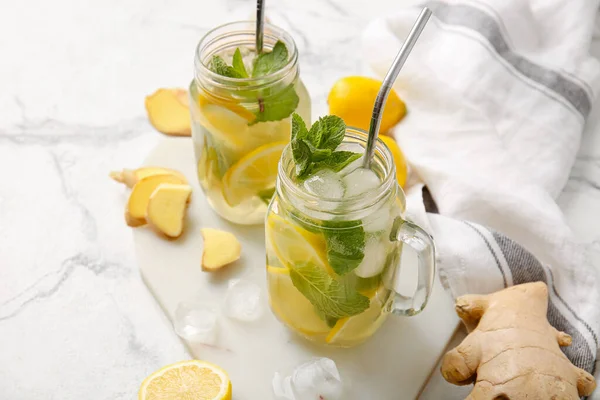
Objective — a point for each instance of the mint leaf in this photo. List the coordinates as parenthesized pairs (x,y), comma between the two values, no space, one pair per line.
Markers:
(278,106)
(266,195)
(298,127)
(319,154)
(336,161)
(345,245)
(302,156)
(238,63)
(328,132)
(329,297)
(271,107)
(268,63)
(219,66)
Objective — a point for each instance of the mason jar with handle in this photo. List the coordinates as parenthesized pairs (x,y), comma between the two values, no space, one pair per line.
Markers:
(334,244)
(241,110)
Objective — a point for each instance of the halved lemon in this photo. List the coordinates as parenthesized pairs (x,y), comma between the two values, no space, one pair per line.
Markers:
(193,379)
(254,172)
(290,306)
(293,244)
(399,159)
(350,331)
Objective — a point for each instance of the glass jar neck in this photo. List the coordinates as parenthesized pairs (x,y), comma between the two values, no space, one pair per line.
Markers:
(346,208)
(225,39)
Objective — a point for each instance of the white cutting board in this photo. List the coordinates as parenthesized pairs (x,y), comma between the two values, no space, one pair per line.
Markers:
(394,364)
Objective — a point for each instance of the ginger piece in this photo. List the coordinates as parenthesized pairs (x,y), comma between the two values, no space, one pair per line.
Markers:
(137,205)
(512,352)
(220,248)
(167,207)
(169,112)
(130,177)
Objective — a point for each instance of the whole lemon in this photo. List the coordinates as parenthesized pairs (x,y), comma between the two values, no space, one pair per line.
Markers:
(399,160)
(352,99)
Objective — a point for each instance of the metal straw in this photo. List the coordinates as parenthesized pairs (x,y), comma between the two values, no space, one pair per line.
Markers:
(260,23)
(388,81)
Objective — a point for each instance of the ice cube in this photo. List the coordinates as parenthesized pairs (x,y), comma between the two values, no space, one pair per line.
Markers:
(378,221)
(282,387)
(360,181)
(196,322)
(376,251)
(354,165)
(326,184)
(317,379)
(243,301)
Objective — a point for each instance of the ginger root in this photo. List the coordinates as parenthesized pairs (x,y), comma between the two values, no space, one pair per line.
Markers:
(167,207)
(512,352)
(137,205)
(130,177)
(220,248)
(169,112)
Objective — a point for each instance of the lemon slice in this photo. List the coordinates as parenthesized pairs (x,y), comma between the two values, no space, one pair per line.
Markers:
(233,105)
(293,244)
(227,121)
(290,306)
(225,125)
(256,171)
(350,331)
(192,379)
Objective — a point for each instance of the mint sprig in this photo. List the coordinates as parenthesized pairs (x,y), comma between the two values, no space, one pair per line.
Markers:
(314,149)
(269,106)
(331,298)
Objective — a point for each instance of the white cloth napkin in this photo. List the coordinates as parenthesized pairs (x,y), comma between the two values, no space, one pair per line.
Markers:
(498,92)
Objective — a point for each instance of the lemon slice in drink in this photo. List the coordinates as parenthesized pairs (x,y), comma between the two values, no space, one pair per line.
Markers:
(290,306)
(350,331)
(293,244)
(226,120)
(192,379)
(254,172)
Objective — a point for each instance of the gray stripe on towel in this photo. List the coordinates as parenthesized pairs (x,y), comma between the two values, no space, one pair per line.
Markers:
(488,26)
(489,246)
(524,268)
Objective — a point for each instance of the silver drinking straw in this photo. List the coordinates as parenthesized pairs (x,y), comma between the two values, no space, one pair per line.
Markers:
(388,81)
(260,23)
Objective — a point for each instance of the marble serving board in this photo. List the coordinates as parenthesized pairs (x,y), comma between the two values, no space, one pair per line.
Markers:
(394,364)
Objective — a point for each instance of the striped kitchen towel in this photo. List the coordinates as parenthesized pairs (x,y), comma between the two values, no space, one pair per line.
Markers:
(498,94)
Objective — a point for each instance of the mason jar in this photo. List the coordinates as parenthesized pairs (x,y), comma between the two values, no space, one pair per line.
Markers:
(332,260)
(240,126)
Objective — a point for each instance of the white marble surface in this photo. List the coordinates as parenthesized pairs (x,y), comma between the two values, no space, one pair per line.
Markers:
(75,319)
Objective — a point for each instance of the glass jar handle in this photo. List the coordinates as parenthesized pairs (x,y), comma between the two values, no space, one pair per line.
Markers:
(422,243)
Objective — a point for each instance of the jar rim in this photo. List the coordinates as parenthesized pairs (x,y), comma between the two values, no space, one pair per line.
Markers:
(382,155)
(272,34)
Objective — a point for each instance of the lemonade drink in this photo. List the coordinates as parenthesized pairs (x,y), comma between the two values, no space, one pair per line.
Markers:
(330,258)
(241,105)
